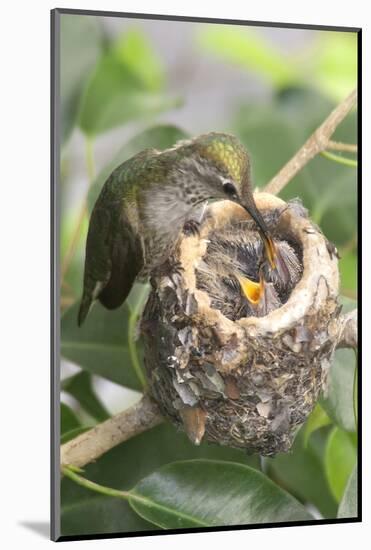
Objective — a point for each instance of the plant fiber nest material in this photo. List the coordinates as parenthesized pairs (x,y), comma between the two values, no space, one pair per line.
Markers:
(240,376)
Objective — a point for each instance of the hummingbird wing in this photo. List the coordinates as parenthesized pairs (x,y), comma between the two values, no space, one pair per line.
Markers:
(114,257)
(114,254)
(126,260)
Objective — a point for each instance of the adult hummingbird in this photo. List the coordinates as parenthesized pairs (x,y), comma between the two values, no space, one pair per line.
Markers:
(148,200)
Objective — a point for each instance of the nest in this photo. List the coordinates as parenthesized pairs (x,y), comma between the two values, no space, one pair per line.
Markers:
(225,369)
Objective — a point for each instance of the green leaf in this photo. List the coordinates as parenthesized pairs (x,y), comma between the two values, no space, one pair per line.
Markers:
(124,87)
(97,515)
(81,43)
(340,459)
(338,402)
(80,387)
(135,302)
(348,507)
(160,137)
(69,420)
(122,468)
(301,472)
(100,346)
(200,493)
(246,48)
(317,419)
(134,51)
(328,64)
(334,63)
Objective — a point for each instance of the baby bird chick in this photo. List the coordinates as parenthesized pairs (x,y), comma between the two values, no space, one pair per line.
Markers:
(231,291)
(238,278)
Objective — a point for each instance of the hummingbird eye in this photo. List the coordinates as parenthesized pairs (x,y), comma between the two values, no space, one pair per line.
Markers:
(230,189)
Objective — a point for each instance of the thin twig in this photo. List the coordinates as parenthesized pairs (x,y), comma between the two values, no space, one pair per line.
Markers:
(340,160)
(317,143)
(344,147)
(92,444)
(102,489)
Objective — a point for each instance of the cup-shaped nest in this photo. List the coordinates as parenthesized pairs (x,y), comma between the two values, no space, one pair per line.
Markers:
(235,352)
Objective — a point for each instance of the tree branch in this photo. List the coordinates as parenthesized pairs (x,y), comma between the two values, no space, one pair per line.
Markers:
(344,147)
(317,143)
(92,444)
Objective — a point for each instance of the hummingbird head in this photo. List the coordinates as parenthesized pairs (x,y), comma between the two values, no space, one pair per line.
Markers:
(228,176)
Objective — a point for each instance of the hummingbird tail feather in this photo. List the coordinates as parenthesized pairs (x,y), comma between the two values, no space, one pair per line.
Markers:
(90,294)
(84,309)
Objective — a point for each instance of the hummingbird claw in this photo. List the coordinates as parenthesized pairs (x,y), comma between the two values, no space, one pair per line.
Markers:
(176,268)
(169,268)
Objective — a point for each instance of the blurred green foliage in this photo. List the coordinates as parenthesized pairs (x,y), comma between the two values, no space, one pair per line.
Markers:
(101,345)
(248,49)
(80,387)
(348,506)
(302,472)
(340,459)
(329,65)
(81,46)
(123,467)
(126,84)
(108,83)
(69,420)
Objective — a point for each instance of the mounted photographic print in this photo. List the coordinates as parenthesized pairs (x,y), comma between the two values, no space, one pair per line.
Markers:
(204,282)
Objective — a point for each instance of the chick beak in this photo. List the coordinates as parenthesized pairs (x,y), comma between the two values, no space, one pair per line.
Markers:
(251,290)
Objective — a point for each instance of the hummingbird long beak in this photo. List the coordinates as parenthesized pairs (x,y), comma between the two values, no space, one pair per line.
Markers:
(270,248)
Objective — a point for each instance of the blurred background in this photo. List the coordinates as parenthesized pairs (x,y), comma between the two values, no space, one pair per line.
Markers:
(130,84)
